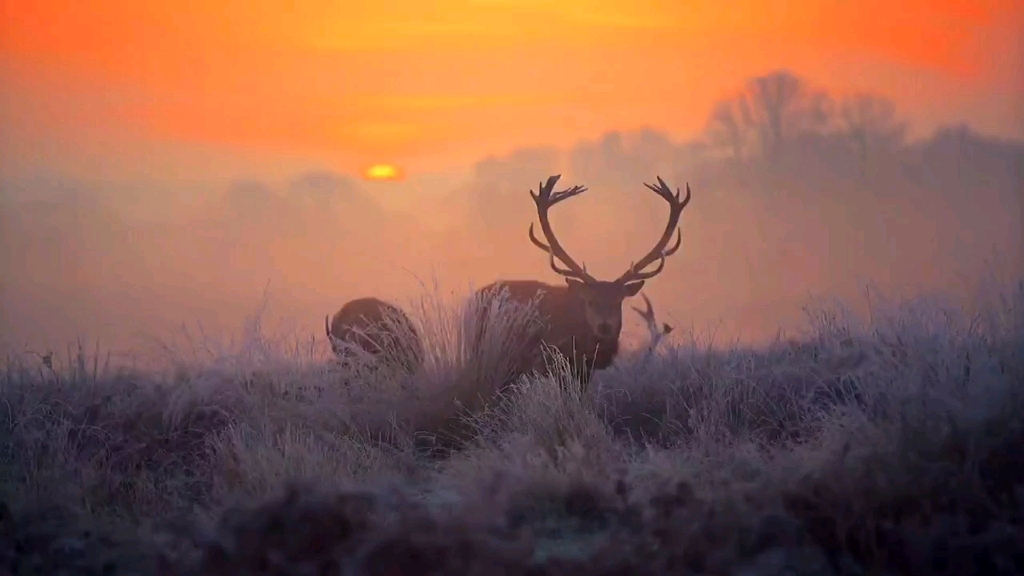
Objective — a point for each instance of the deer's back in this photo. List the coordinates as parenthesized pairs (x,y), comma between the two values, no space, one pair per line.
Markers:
(561,313)
(362,315)
(565,324)
(363,312)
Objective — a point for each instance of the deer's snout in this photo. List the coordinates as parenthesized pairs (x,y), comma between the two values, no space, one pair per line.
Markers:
(606,329)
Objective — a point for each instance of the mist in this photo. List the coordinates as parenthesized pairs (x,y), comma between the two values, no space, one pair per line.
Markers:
(796,198)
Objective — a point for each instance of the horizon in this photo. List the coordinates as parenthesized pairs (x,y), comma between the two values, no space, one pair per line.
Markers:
(424,89)
(186,159)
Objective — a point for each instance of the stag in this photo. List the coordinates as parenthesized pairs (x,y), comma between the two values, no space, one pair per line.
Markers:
(377,328)
(657,332)
(583,319)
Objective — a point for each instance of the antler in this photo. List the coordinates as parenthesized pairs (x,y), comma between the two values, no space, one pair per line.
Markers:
(647,315)
(650,320)
(656,332)
(545,199)
(660,252)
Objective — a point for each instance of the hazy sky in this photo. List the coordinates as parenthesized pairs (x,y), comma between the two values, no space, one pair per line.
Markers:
(170,162)
(118,89)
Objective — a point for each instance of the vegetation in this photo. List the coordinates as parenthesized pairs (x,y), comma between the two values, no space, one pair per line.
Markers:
(884,447)
(838,193)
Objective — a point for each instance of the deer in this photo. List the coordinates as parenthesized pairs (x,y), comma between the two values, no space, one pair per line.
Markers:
(656,332)
(582,320)
(377,328)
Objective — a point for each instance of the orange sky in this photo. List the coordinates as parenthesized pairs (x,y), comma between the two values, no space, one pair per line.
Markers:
(430,85)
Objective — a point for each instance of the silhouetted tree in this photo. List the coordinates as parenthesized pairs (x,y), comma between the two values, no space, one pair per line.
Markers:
(605,160)
(963,135)
(653,152)
(621,159)
(321,189)
(323,200)
(252,213)
(781,106)
(870,122)
(773,108)
(729,126)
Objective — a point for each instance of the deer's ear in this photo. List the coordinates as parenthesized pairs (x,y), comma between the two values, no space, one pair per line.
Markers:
(633,288)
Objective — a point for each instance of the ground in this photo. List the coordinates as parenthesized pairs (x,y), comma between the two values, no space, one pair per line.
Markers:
(884,447)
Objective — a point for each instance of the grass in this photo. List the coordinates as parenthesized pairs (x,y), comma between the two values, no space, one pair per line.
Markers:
(889,446)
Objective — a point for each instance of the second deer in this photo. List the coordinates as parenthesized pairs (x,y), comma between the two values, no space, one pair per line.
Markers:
(377,328)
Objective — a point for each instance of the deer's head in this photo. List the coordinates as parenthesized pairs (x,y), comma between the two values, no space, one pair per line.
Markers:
(602,299)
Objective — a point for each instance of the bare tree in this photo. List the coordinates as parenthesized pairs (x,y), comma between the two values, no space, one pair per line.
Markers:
(870,123)
(771,109)
(728,127)
(617,157)
(322,190)
(583,320)
(781,106)
(254,215)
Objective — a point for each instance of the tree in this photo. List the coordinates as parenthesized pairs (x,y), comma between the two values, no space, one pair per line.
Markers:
(253,213)
(320,189)
(606,160)
(781,106)
(774,108)
(620,159)
(870,122)
(728,127)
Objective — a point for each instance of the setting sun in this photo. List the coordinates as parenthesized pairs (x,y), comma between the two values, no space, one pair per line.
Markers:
(382,172)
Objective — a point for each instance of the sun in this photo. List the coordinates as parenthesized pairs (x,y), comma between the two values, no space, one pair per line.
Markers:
(382,172)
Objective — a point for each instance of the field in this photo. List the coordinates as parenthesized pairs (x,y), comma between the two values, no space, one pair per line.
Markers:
(890,445)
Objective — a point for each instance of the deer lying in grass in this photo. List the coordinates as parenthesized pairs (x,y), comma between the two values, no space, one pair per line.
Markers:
(583,319)
(656,332)
(374,327)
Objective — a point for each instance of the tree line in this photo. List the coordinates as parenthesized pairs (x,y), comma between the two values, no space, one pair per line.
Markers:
(773,109)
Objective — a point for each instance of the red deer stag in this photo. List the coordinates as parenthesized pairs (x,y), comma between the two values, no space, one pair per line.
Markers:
(377,328)
(656,332)
(583,319)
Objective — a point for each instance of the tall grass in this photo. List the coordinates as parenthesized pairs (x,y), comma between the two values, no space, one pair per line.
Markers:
(863,432)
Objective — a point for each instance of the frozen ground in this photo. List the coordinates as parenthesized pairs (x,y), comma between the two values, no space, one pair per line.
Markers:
(889,447)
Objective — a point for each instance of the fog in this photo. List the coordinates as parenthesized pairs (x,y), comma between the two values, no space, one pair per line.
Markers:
(794,199)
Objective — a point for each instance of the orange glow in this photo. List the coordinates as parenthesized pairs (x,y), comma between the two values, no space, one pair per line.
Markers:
(448,81)
(382,172)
